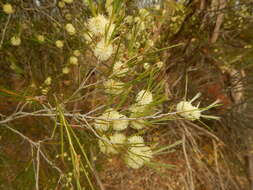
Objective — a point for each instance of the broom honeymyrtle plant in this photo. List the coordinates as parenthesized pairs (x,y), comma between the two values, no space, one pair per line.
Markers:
(111,60)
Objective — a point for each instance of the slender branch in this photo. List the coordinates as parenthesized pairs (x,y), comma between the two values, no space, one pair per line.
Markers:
(36,145)
(4,31)
(188,164)
(94,171)
(219,21)
(37,167)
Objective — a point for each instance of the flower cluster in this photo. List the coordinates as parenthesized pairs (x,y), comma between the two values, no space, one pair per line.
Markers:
(113,87)
(99,25)
(45,87)
(120,69)
(8,9)
(112,144)
(111,117)
(101,28)
(190,112)
(137,153)
(41,38)
(117,122)
(59,44)
(143,99)
(70,29)
(103,50)
(15,41)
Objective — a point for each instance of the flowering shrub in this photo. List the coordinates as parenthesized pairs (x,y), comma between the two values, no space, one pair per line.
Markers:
(99,67)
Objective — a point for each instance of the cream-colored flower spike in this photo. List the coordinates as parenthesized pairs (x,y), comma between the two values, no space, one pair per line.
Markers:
(137,124)
(70,29)
(59,43)
(121,124)
(136,110)
(41,38)
(99,25)
(146,66)
(113,87)
(73,60)
(113,118)
(135,141)
(15,41)
(65,70)
(190,112)
(8,9)
(144,97)
(137,156)
(159,64)
(112,144)
(101,123)
(103,50)
(48,81)
(120,69)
